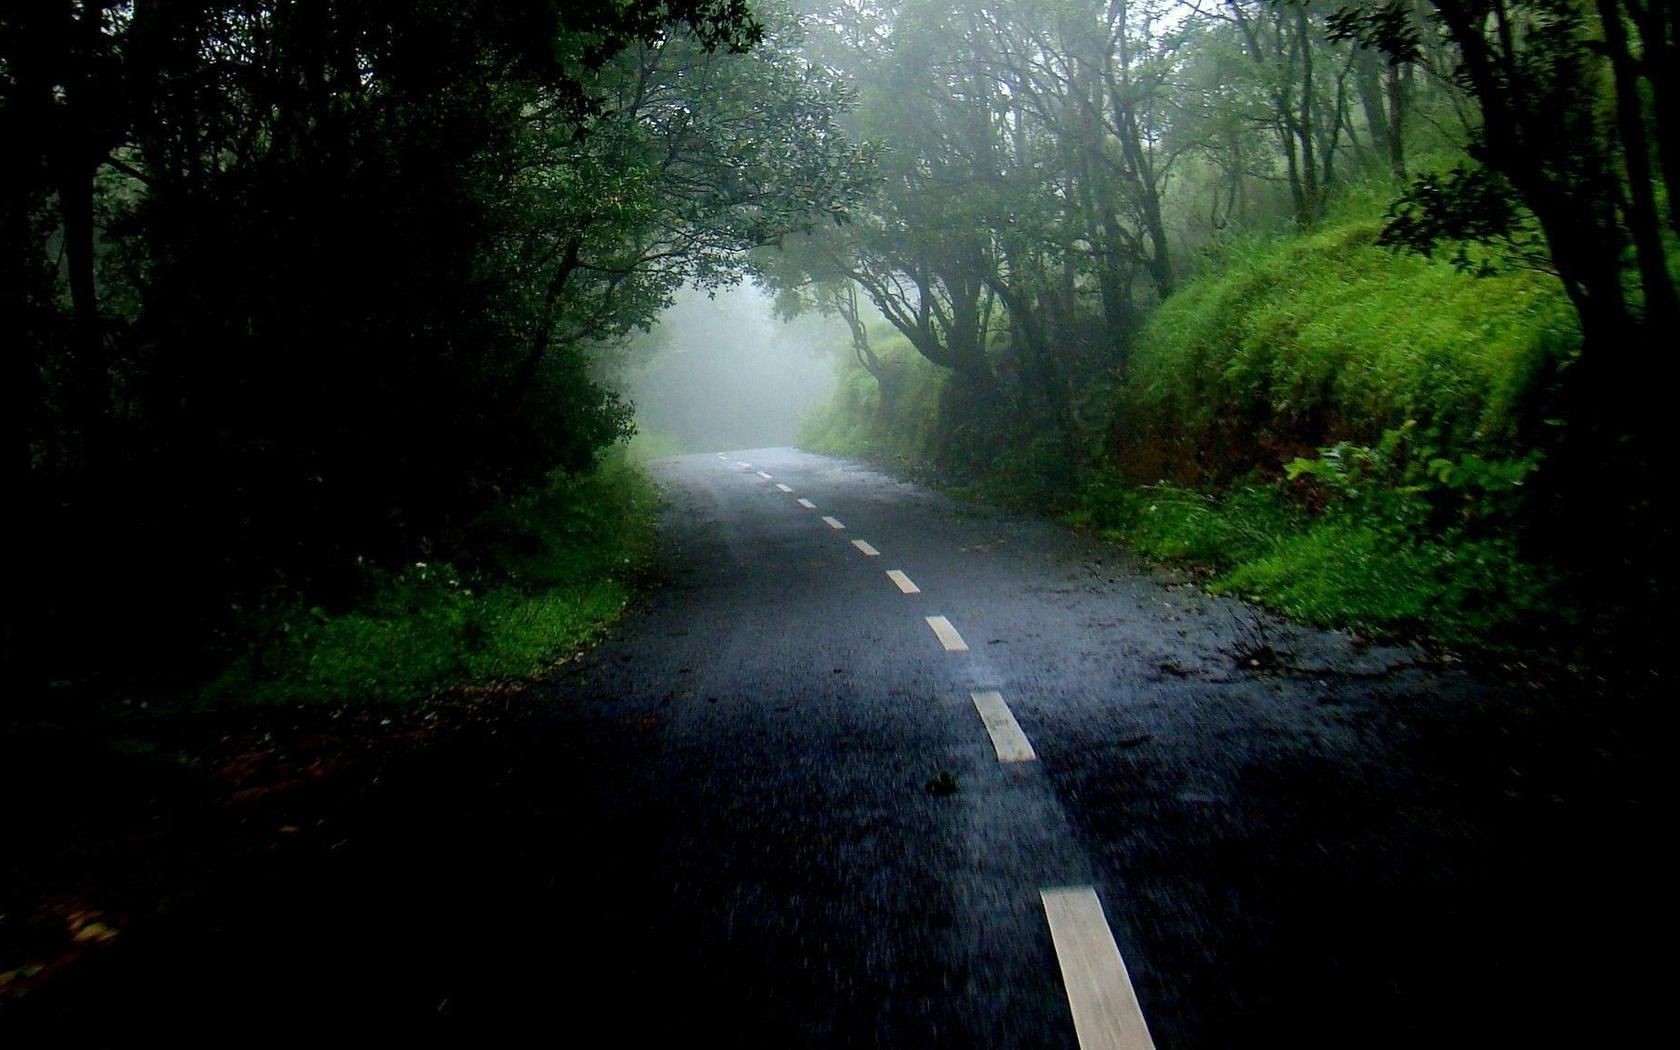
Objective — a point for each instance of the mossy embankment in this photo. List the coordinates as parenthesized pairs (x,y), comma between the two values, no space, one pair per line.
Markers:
(1336,430)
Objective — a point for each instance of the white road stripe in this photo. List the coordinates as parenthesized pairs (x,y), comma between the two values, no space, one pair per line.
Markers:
(722,456)
(866,548)
(1008,741)
(763,475)
(783,487)
(1105,1009)
(833,523)
(807,504)
(897,576)
(948,636)
(743,466)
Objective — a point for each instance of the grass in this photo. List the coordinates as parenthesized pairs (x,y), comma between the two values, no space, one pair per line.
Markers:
(1301,341)
(649,445)
(1350,566)
(852,424)
(532,582)
(1291,344)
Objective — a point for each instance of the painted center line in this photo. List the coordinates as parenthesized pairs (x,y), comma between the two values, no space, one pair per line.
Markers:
(763,475)
(866,548)
(807,504)
(783,487)
(833,523)
(1105,1009)
(743,466)
(722,456)
(948,636)
(904,583)
(1008,741)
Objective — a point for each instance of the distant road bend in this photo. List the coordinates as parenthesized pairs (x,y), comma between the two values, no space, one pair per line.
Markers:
(875,768)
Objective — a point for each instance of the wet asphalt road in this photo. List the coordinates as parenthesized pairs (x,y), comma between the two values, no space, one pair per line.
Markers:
(718,828)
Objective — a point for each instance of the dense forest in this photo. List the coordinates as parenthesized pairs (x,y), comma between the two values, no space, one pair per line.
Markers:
(299,295)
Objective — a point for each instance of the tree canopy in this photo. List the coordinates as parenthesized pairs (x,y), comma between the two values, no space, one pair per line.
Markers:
(290,286)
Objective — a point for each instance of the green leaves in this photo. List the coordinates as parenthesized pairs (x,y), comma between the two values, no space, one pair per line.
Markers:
(1461,209)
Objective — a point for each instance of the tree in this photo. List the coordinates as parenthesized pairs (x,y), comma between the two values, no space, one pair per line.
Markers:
(338,271)
(1543,74)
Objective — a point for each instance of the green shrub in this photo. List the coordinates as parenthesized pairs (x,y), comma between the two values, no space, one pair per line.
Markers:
(851,423)
(1367,565)
(1304,341)
(535,579)
(1341,572)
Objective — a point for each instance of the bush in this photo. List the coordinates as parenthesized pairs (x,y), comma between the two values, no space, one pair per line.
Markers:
(1309,340)
(852,423)
(532,581)
(1369,563)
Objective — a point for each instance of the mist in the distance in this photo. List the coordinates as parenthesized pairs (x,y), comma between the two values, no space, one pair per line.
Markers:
(725,373)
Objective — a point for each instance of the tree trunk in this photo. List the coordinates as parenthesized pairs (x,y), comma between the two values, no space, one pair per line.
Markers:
(1660,48)
(1397,80)
(886,381)
(1662,307)
(1368,79)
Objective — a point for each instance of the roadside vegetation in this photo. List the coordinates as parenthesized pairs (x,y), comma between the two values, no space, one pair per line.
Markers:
(1318,423)
(533,581)
(1358,307)
(312,315)
(304,309)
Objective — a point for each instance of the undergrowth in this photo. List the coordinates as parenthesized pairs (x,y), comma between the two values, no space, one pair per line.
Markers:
(1293,343)
(1353,565)
(529,582)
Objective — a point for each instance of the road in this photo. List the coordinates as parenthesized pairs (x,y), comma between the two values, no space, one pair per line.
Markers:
(780,808)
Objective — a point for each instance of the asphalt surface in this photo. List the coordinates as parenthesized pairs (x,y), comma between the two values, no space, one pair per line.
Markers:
(767,813)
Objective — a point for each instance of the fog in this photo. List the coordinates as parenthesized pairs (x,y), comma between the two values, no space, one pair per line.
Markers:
(725,373)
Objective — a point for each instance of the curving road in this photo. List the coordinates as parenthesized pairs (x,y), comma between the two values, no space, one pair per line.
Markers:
(877,768)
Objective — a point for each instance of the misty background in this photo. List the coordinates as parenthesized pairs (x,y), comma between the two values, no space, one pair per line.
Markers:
(721,371)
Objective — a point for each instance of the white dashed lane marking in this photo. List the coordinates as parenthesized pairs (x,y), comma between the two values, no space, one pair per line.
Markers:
(807,504)
(948,636)
(763,475)
(743,466)
(1105,1009)
(833,523)
(783,487)
(1008,741)
(904,583)
(866,548)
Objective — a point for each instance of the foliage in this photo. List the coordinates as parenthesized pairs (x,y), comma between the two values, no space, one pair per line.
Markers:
(1296,343)
(1358,566)
(854,423)
(1180,525)
(292,289)
(534,580)
(1575,141)
(1330,449)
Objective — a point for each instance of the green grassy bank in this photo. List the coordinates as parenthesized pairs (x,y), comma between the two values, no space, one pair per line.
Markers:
(528,583)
